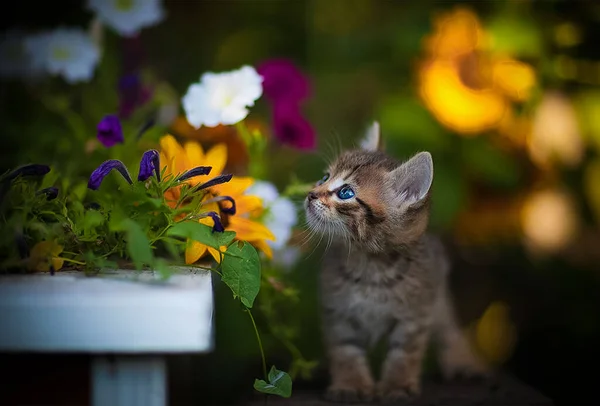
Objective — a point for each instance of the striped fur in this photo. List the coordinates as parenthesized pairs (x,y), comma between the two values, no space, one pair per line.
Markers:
(383,276)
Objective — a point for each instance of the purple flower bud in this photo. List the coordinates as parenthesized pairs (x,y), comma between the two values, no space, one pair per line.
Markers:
(104,169)
(150,163)
(110,131)
(197,171)
(214,181)
(226,210)
(28,170)
(218,227)
(50,192)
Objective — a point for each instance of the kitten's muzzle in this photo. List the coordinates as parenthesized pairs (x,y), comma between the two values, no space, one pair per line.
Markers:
(312,196)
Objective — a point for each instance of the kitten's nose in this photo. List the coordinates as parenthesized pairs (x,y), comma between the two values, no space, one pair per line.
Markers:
(312,196)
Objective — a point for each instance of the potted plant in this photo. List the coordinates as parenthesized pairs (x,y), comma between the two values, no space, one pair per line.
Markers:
(157,212)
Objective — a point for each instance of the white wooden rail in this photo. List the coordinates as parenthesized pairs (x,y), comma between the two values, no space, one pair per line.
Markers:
(130,321)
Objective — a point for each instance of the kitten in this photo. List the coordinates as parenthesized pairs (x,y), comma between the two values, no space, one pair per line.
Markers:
(383,275)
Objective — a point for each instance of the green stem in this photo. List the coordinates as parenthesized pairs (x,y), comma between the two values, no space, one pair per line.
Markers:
(262,352)
(244,133)
(72,261)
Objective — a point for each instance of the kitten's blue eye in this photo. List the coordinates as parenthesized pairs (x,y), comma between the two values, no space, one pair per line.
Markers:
(323,179)
(345,193)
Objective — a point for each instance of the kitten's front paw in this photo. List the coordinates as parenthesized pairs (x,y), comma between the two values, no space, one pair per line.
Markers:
(392,393)
(348,395)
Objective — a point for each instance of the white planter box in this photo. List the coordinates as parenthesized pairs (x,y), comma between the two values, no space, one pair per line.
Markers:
(129,320)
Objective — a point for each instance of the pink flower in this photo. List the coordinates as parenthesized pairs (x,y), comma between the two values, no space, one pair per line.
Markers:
(291,128)
(283,81)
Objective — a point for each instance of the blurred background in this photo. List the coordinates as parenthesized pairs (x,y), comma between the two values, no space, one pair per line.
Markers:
(504,94)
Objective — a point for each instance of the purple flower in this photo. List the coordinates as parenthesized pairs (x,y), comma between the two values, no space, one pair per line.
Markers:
(227,210)
(218,227)
(291,128)
(28,170)
(283,81)
(197,171)
(104,169)
(214,181)
(50,192)
(110,131)
(150,163)
(132,94)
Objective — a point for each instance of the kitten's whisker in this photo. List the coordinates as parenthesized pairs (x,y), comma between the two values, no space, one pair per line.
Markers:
(317,245)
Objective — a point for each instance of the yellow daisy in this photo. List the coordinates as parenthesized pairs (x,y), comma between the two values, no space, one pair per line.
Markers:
(180,158)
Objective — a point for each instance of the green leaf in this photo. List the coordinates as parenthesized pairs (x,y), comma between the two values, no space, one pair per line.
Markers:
(196,231)
(241,272)
(92,219)
(138,245)
(279,384)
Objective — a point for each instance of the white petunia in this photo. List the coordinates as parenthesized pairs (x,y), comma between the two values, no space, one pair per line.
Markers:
(281,215)
(222,98)
(128,17)
(69,52)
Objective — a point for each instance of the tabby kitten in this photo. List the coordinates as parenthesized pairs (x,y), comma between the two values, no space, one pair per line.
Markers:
(383,275)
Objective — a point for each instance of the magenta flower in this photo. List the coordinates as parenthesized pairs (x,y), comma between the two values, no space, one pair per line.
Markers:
(283,81)
(291,128)
(132,94)
(110,131)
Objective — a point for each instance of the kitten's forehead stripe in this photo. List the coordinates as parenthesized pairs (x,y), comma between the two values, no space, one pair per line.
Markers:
(349,174)
(335,183)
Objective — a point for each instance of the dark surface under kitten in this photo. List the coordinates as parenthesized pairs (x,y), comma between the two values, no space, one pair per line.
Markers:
(504,392)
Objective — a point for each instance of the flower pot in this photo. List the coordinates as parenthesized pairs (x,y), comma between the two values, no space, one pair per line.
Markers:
(127,321)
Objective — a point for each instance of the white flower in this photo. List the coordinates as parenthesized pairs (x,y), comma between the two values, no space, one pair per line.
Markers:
(222,98)
(69,52)
(281,215)
(128,17)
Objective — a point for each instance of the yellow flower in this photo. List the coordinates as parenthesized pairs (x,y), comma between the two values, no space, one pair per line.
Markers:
(463,83)
(46,253)
(178,159)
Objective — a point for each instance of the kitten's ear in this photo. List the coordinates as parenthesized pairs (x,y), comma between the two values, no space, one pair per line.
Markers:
(372,139)
(412,180)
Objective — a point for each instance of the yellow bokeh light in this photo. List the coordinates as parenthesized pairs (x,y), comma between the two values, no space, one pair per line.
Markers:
(549,220)
(495,333)
(555,135)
